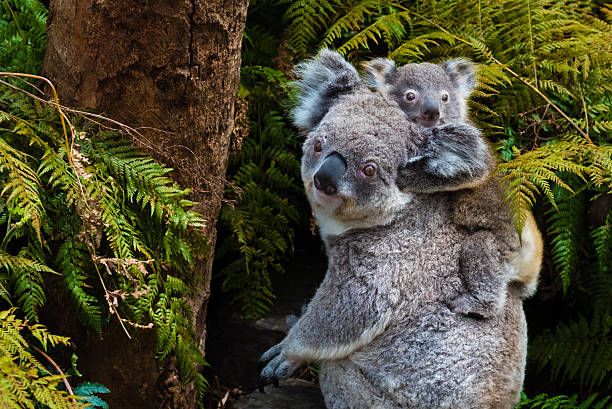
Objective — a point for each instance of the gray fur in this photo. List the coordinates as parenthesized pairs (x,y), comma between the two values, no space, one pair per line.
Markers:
(454,157)
(462,74)
(381,321)
(428,82)
(320,81)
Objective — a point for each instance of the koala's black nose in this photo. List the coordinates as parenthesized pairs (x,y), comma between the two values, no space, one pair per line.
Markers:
(431,110)
(328,176)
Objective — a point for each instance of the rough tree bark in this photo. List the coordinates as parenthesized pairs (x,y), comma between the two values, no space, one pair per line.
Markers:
(171,65)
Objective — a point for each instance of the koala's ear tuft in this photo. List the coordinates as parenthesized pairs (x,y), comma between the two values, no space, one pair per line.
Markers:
(462,73)
(321,80)
(378,72)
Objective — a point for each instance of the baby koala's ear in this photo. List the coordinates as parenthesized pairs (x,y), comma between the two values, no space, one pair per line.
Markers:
(378,72)
(462,73)
(321,80)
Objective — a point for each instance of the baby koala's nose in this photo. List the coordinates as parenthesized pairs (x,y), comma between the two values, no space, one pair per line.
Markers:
(328,176)
(431,115)
(431,110)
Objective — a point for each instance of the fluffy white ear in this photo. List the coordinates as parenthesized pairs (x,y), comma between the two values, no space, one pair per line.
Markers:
(377,72)
(462,73)
(320,81)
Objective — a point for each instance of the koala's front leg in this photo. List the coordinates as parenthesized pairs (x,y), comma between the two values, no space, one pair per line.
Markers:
(344,315)
(485,271)
(453,157)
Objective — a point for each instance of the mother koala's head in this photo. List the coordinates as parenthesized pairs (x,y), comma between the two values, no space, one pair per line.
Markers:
(355,143)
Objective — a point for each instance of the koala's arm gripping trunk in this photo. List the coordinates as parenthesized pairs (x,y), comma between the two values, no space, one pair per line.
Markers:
(344,315)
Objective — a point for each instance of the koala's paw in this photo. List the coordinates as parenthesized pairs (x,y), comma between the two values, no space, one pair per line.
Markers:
(455,149)
(291,319)
(276,367)
(467,304)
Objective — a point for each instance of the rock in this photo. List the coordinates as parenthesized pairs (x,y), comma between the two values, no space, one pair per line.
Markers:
(292,394)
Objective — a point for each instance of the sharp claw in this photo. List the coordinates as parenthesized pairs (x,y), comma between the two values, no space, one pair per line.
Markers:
(275,382)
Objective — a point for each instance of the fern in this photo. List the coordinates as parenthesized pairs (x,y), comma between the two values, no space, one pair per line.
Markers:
(602,239)
(305,19)
(87,392)
(564,402)
(565,228)
(24,281)
(23,379)
(588,339)
(23,38)
(103,216)
(260,221)
(73,260)
(258,227)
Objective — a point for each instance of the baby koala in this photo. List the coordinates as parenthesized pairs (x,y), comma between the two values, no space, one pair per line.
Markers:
(429,94)
(435,96)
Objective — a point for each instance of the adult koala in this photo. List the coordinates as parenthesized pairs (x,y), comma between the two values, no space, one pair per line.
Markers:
(380,322)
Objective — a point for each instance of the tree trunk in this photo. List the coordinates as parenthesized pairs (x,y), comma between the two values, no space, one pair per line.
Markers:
(170,65)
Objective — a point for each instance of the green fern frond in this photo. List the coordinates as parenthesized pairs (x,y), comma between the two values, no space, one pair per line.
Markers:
(23,379)
(121,233)
(602,240)
(590,340)
(20,187)
(355,19)
(25,282)
(305,18)
(258,228)
(564,402)
(22,35)
(73,260)
(565,232)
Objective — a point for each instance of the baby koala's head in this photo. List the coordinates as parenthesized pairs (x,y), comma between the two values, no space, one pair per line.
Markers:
(429,94)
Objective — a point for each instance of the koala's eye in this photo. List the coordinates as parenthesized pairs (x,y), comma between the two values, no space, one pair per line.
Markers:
(318,146)
(410,96)
(369,170)
(445,97)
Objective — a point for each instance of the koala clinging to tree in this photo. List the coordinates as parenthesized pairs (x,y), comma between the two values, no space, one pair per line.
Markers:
(434,95)
(380,321)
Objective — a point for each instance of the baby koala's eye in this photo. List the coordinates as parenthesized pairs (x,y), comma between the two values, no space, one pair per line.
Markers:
(369,170)
(410,96)
(445,97)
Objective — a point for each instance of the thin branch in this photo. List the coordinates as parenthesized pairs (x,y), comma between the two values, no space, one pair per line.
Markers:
(56,98)
(57,368)
(106,292)
(88,115)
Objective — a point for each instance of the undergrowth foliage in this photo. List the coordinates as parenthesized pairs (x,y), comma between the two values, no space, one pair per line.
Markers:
(259,226)
(89,207)
(23,378)
(565,402)
(23,25)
